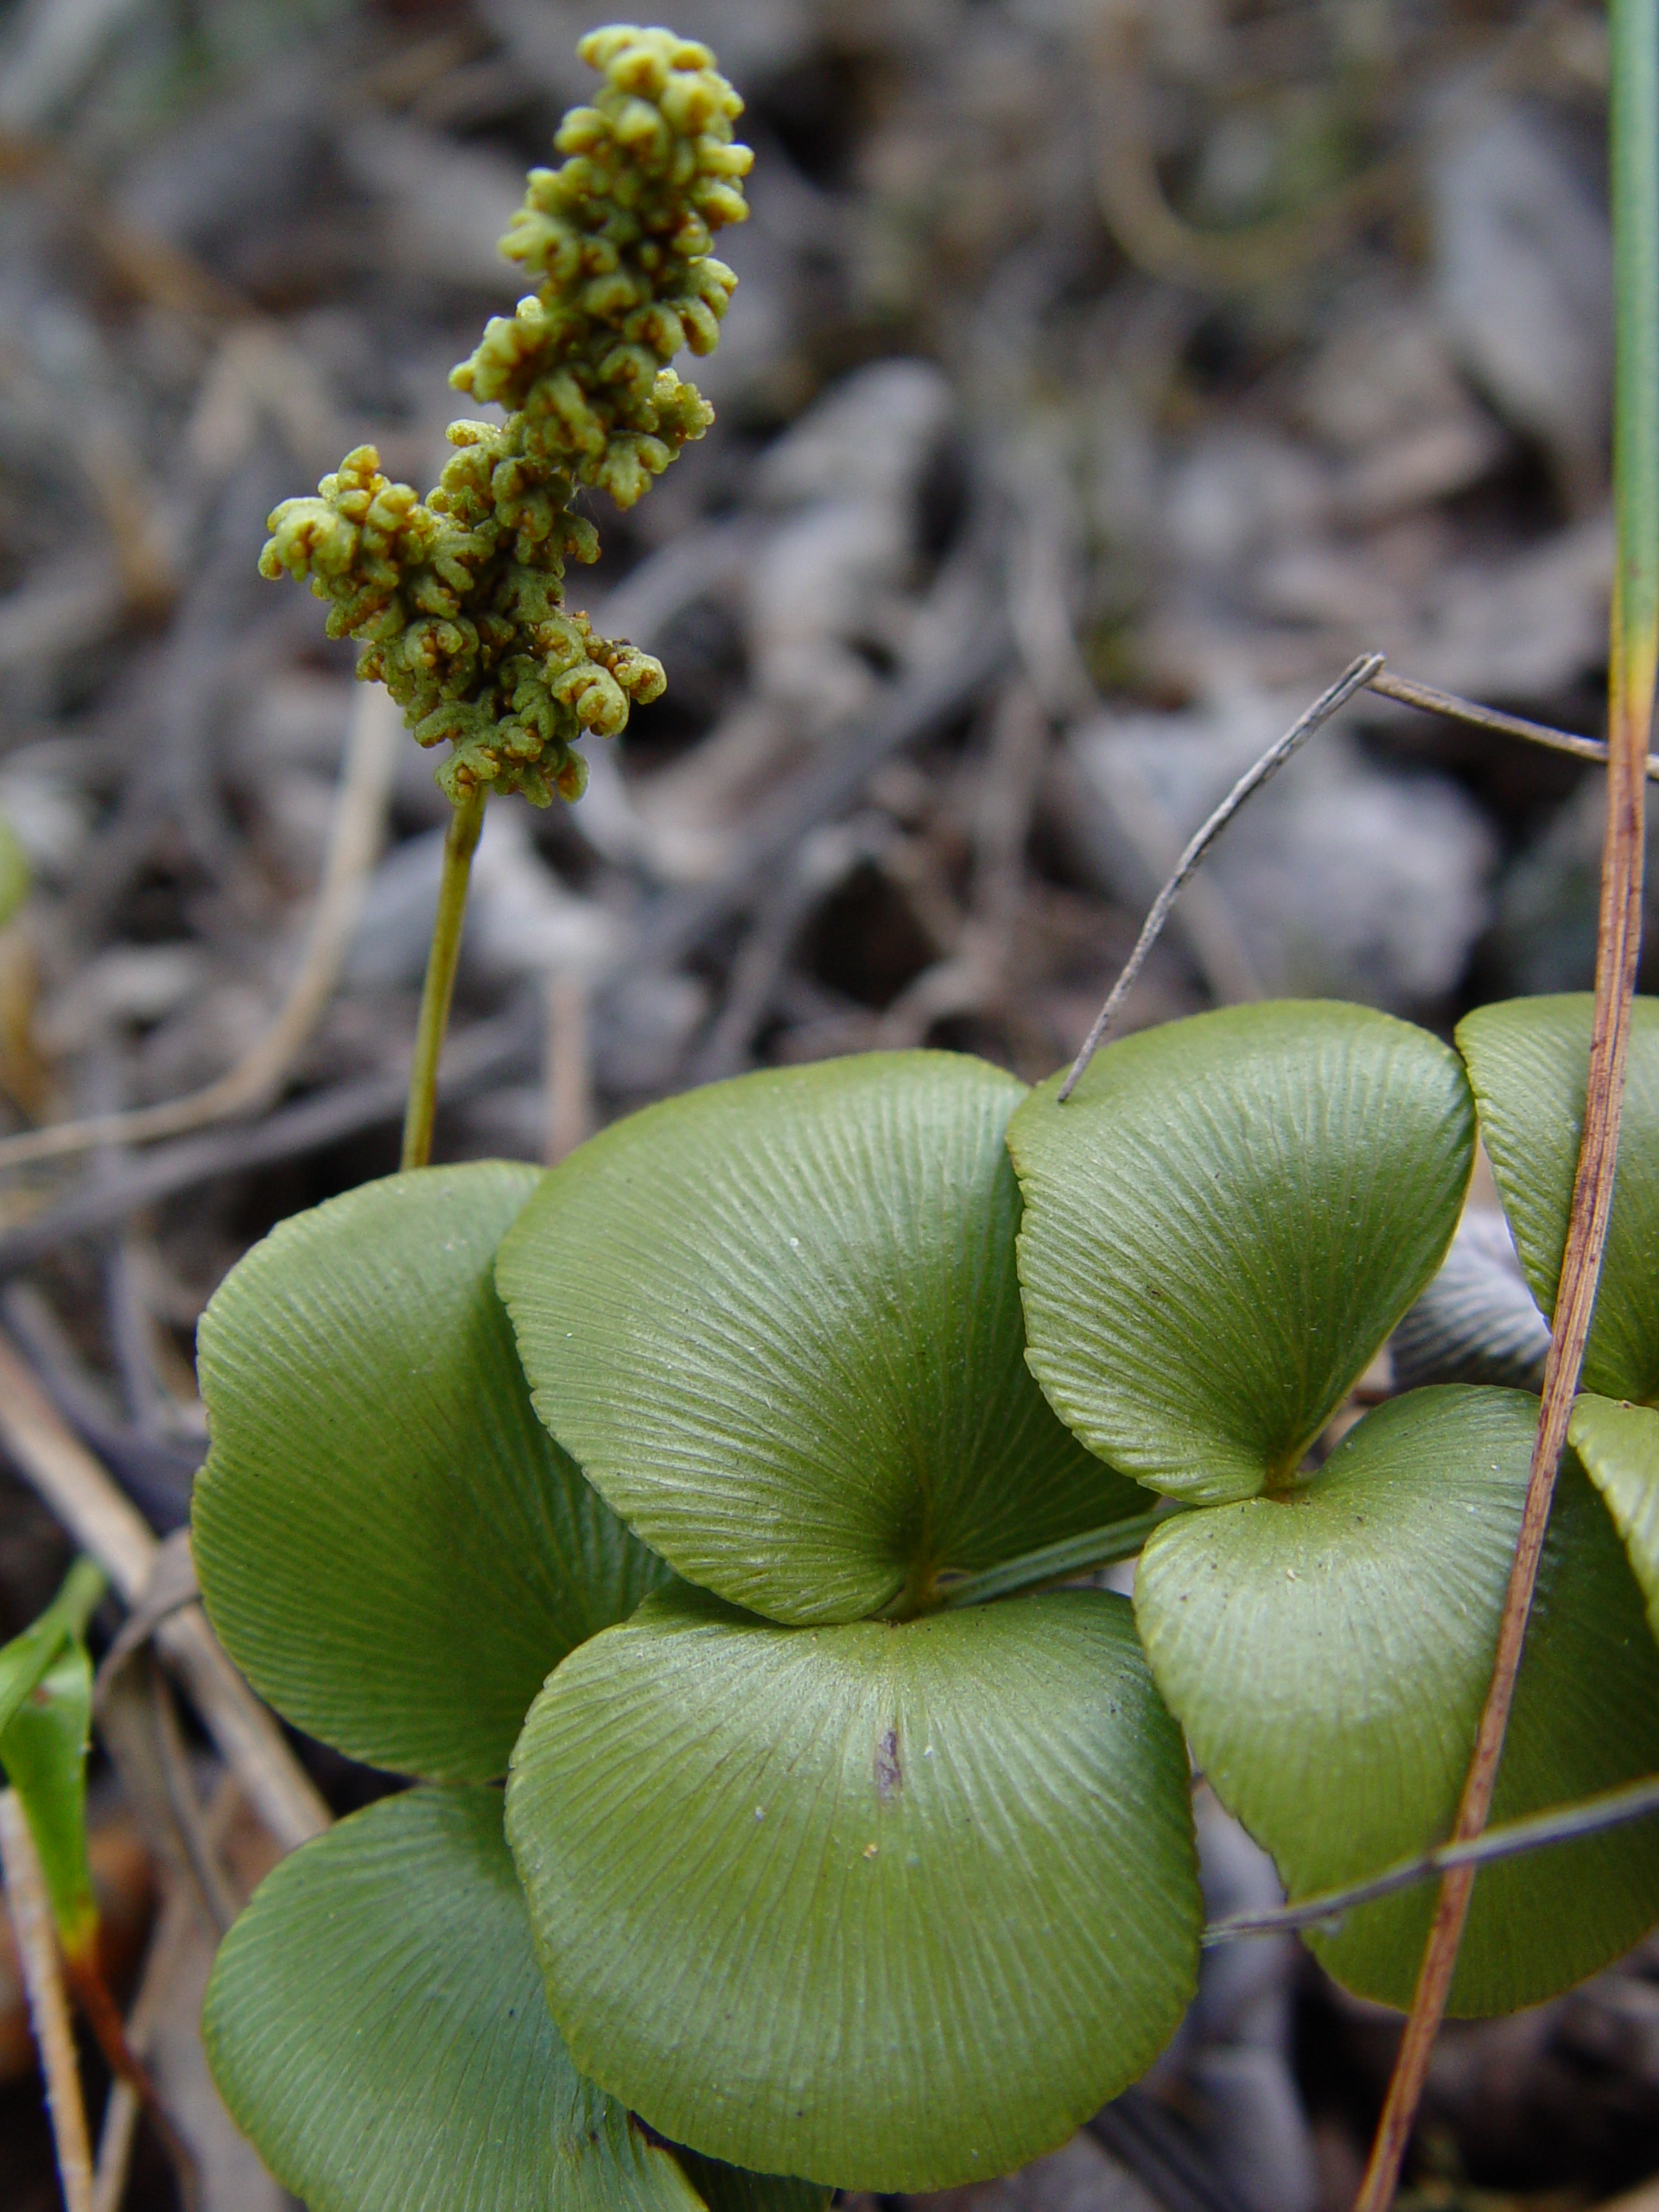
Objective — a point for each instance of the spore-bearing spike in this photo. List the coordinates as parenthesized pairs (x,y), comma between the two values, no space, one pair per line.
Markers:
(458,600)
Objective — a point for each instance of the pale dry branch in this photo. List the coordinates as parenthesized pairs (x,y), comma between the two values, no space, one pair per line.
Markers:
(354,844)
(1634,648)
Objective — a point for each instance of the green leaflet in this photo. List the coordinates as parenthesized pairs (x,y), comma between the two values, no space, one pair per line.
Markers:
(43,1752)
(46,1704)
(735,2189)
(1223,1223)
(1329,1652)
(376,2024)
(915,1899)
(1528,1059)
(387,1541)
(25,1659)
(1619,1446)
(777,1321)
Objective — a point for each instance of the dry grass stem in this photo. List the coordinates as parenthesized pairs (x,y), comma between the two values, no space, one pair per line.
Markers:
(1354,679)
(1593,1196)
(1433,701)
(1613,1809)
(118,2130)
(174,1930)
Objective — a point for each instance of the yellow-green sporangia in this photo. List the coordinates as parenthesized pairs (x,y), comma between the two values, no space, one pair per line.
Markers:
(458,598)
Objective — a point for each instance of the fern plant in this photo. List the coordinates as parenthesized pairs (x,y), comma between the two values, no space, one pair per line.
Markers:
(710,1488)
(828,1869)
(458,600)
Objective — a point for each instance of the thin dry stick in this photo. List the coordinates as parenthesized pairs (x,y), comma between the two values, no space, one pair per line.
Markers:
(1433,701)
(1611,1808)
(195,1840)
(178,1922)
(102,2016)
(48,2006)
(1409,692)
(1353,679)
(1205,916)
(359,818)
(55,1463)
(1592,1193)
(1634,27)
(119,2126)
(137,1718)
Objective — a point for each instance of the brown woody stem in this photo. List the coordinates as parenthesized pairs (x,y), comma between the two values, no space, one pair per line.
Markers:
(102,2016)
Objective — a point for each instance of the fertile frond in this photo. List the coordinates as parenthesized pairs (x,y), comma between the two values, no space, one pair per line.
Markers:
(459,599)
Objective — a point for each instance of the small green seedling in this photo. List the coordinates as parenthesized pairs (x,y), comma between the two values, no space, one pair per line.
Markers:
(45,1711)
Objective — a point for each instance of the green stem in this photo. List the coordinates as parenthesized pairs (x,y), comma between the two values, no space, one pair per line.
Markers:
(29,1658)
(461,841)
(1634,52)
(1056,1562)
(82,1595)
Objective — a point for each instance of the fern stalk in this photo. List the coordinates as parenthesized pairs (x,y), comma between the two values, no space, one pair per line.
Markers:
(460,843)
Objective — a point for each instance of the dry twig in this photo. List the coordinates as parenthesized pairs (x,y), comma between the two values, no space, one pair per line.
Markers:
(488,1049)
(1612,1809)
(48,2005)
(168,1944)
(118,2130)
(359,818)
(1433,701)
(1592,1198)
(1353,679)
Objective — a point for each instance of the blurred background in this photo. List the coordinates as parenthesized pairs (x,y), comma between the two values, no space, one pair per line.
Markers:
(1104,376)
